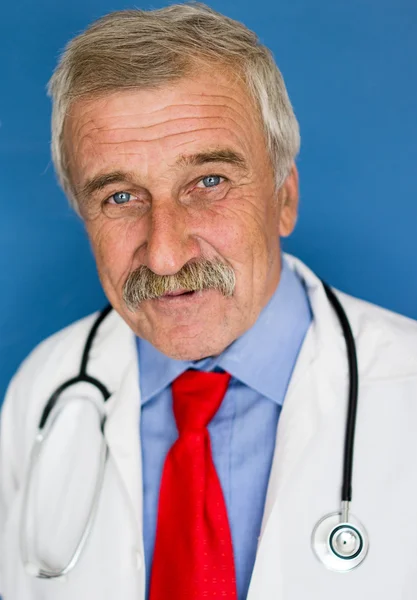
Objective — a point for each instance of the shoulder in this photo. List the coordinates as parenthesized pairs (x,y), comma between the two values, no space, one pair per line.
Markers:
(30,388)
(43,367)
(56,360)
(55,348)
(59,356)
(386,341)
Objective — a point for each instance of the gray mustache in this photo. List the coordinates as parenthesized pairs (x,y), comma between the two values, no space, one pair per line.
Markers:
(143,284)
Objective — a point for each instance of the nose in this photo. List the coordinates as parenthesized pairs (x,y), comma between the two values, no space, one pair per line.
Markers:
(170,243)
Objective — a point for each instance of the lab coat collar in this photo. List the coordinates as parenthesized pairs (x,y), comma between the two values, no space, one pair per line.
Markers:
(312,392)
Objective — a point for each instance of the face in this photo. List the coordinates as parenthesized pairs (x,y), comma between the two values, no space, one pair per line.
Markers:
(176,175)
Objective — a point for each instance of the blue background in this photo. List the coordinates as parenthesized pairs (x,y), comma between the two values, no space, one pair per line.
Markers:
(350,67)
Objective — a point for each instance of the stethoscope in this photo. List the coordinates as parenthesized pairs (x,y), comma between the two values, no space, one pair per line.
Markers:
(338,540)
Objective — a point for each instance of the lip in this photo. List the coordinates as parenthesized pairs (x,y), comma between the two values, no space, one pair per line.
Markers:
(175,294)
(179,297)
(182,301)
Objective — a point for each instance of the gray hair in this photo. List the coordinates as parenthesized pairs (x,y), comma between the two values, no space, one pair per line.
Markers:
(135,49)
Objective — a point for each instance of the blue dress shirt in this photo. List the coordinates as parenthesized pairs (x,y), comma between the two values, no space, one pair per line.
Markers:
(244,429)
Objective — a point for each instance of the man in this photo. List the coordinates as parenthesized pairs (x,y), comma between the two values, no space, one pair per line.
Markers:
(174,139)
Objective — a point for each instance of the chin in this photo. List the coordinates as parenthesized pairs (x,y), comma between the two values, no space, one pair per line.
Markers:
(190,348)
(184,351)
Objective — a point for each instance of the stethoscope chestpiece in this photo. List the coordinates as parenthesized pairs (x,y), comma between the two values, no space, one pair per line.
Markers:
(346,541)
(340,545)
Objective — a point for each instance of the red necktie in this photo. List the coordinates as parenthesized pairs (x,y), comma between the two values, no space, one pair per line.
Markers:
(193,557)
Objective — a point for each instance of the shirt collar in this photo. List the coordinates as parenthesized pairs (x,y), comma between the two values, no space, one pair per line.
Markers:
(262,358)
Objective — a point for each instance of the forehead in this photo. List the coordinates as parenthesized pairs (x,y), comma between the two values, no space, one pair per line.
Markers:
(156,125)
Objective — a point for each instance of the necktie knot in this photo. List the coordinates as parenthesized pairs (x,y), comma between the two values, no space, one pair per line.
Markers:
(197,396)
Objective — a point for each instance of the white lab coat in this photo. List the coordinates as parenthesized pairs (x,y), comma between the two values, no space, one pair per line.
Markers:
(306,473)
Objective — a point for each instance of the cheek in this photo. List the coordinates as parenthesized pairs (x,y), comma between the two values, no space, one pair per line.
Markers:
(258,249)
(114,244)
(244,231)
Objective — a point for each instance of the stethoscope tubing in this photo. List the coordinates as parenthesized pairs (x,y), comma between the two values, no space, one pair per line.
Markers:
(346,492)
(82,374)
(353,394)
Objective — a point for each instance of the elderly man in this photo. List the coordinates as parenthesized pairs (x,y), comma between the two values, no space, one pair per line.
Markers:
(187,443)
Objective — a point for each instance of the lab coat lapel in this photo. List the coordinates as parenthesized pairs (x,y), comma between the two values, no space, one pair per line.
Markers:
(114,361)
(311,394)
(122,435)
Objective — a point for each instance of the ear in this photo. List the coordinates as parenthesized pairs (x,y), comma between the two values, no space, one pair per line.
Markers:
(288,202)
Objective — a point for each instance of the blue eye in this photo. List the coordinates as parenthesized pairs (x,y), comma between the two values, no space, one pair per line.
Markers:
(211,180)
(121,197)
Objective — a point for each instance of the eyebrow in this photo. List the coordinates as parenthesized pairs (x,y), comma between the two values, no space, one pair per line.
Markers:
(220,155)
(101,181)
(223,155)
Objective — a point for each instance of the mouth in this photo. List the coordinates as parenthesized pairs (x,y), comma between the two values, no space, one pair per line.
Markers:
(177,293)
(181,302)
(183,299)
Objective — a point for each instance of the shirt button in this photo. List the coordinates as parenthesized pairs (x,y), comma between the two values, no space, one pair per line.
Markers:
(138,560)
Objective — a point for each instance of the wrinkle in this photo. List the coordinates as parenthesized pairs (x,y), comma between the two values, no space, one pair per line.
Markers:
(168,135)
(90,106)
(87,122)
(198,114)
